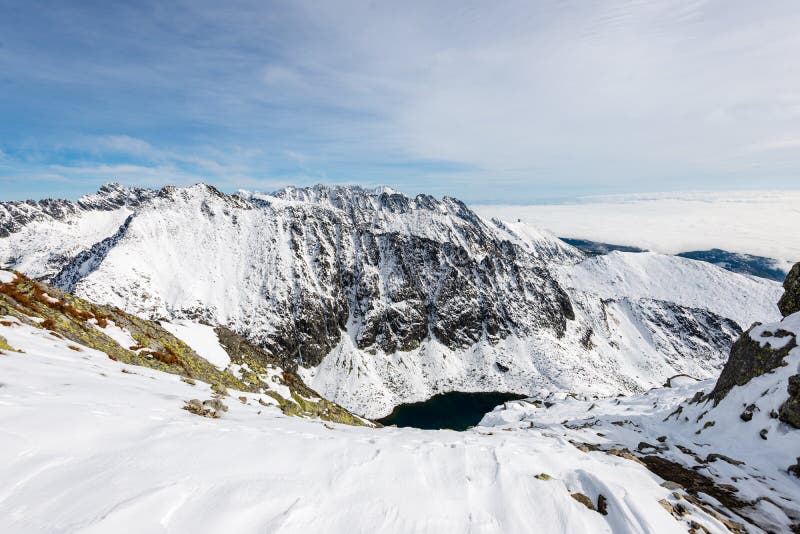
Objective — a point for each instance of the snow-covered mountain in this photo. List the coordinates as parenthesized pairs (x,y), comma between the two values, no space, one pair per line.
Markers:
(731,441)
(383,299)
(375,298)
(40,237)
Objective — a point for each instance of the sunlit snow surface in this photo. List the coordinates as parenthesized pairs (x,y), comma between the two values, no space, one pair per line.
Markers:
(201,338)
(745,299)
(85,447)
(702,428)
(751,222)
(38,249)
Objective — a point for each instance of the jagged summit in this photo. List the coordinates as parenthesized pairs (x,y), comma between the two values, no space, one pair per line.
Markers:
(15,215)
(113,195)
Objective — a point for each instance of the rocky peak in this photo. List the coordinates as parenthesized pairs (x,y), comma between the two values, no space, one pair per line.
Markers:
(766,348)
(200,194)
(790,301)
(113,195)
(15,215)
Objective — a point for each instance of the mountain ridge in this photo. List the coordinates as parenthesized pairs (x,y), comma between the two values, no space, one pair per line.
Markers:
(382,298)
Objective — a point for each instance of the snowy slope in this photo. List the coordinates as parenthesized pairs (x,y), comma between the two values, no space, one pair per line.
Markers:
(711,437)
(42,247)
(202,339)
(383,299)
(39,238)
(91,445)
(744,299)
(195,352)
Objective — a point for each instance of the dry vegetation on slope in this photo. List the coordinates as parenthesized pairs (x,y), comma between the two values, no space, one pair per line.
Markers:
(88,324)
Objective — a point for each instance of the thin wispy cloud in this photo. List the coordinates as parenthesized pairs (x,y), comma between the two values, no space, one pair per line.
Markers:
(503,101)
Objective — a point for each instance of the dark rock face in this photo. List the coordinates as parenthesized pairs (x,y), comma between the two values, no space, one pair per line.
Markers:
(394,289)
(748,360)
(790,301)
(790,411)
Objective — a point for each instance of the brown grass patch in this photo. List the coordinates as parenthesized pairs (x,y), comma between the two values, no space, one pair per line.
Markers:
(75,348)
(63,307)
(7,323)
(48,324)
(289,378)
(11,290)
(169,357)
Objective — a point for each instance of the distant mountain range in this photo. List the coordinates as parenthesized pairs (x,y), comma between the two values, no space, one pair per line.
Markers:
(732,261)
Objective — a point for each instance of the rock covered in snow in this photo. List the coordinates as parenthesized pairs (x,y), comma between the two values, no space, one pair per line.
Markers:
(764,349)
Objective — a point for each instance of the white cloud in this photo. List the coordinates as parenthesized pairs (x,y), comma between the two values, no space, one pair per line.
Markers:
(215,163)
(610,91)
(777,144)
(512,98)
(124,144)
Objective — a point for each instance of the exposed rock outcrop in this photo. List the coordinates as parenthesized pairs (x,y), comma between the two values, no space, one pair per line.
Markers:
(750,358)
(790,410)
(765,348)
(790,301)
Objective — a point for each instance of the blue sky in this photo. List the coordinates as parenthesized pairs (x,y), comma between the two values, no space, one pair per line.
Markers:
(486,101)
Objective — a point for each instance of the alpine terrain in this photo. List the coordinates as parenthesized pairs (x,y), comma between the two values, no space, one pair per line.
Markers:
(190,361)
(379,299)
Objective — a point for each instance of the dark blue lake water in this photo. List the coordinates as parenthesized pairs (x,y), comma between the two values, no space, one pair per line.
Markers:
(454,410)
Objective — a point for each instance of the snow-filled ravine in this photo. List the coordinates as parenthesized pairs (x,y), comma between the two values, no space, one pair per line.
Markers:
(90,445)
